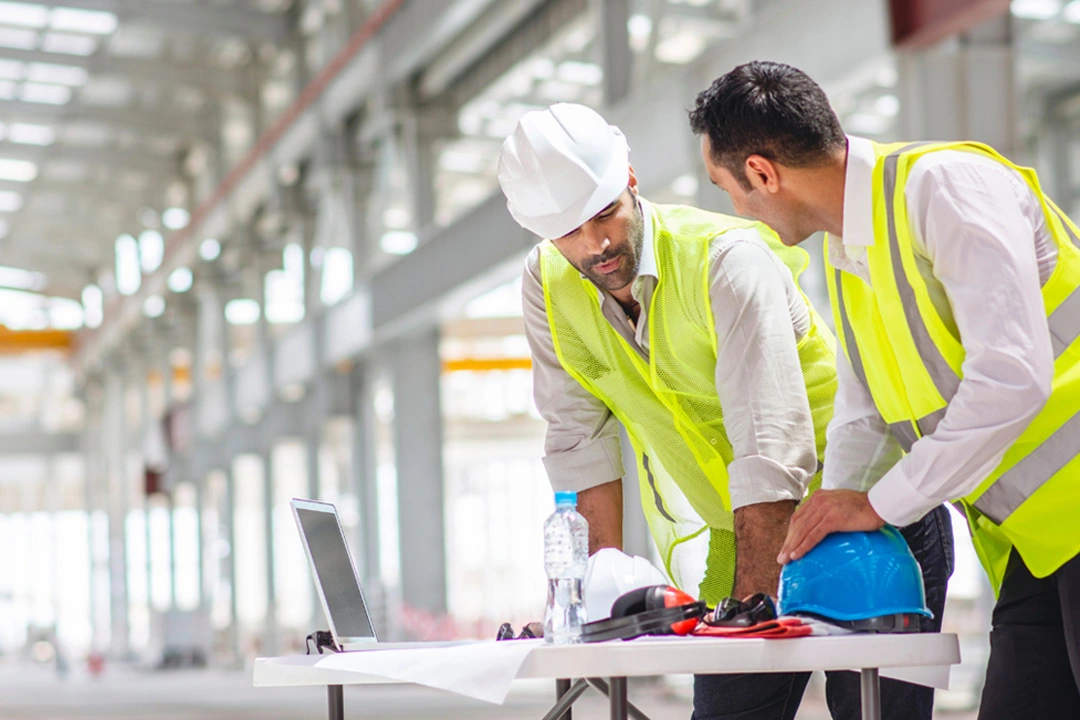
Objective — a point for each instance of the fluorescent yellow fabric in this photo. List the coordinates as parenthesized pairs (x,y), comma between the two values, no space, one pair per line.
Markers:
(911,363)
(669,405)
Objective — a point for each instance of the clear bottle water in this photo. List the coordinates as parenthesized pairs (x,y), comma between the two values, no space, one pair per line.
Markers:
(566,557)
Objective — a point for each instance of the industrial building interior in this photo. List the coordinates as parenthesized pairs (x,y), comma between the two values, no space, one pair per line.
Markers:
(253,250)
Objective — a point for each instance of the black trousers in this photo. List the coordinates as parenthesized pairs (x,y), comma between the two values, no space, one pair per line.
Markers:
(776,696)
(1034,668)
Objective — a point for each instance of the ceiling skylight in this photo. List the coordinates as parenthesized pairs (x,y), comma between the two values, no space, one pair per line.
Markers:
(57,74)
(65,314)
(11,69)
(175,218)
(680,48)
(18,39)
(30,134)
(24,14)
(10,201)
(68,44)
(87,21)
(21,279)
(180,280)
(1035,9)
(398,242)
(242,311)
(151,250)
(128,277)
(92,305)
(154,306)
(582,73)
(17,170)
(209,249)
(46,94)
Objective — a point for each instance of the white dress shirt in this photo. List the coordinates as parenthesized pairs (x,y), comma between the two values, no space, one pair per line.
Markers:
(759,315)
(983,248)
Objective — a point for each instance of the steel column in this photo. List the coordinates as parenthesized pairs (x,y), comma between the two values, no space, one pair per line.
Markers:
(418,444)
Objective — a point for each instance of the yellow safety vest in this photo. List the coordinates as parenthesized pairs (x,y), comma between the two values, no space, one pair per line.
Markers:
(669,405)
(911,361)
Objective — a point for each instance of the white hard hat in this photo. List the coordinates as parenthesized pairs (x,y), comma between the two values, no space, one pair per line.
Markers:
(612,573)
(561,167)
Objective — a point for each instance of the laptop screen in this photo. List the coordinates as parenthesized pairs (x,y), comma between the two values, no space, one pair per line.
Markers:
(334,571)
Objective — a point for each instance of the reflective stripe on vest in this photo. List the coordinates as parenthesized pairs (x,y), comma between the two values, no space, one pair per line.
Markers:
(1023,479)
(1064,322)
(1017,484)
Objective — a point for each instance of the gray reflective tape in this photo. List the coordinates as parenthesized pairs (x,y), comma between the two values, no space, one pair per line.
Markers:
(1022,480)
(928,424)
(1064,323)
(656,493)
(945,379)
(904,434)
(850,342)
(1065,224)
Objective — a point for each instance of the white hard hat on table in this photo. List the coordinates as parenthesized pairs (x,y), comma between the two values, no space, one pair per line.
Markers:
(561,167)
(612,573)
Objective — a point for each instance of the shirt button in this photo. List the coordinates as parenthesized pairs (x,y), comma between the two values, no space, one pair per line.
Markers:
(713,441)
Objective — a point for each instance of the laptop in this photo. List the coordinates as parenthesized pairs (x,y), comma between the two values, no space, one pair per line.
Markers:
(336,579)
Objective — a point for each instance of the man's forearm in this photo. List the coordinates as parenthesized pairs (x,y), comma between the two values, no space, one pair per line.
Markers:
(602,507)
(760,530)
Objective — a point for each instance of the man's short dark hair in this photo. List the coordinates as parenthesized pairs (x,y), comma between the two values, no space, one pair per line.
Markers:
(768,109)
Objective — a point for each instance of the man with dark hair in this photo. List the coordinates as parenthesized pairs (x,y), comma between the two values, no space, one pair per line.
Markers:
(955,285)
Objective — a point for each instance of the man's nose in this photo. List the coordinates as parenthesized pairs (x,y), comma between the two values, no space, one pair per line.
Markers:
(597,242)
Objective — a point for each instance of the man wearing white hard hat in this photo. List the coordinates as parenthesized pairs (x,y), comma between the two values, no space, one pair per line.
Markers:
(689,329)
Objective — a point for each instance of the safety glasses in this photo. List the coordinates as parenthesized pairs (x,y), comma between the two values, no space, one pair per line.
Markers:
(506,632)
(742,613)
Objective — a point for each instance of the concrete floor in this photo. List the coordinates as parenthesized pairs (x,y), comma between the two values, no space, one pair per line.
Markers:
(30,692)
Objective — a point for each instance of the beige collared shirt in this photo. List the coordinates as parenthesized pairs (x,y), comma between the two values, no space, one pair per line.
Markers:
(983,248)
(759,316)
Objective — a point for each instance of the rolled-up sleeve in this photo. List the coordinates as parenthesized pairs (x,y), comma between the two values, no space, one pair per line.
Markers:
(582,448)
(759,316)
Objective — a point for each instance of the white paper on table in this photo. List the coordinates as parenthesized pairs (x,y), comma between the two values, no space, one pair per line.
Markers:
(481,670)
(820,627)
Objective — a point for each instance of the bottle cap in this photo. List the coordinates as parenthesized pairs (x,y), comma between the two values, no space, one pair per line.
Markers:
(565,497)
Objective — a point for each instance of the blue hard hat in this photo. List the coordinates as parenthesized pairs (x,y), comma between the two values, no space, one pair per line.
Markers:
(855,576)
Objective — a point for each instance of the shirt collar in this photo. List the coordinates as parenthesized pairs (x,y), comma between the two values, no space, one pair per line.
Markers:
(858,193)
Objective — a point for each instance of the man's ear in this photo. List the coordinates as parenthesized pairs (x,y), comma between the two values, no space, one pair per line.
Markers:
(762,173)
(632,182)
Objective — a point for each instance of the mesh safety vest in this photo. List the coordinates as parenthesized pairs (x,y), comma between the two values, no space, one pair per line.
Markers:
(911,362)
(669,404)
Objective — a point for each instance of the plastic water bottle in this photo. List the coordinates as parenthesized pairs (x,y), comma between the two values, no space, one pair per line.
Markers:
(566,557)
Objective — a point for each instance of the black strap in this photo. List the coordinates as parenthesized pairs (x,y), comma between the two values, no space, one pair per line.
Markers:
(898,623)
(650,622)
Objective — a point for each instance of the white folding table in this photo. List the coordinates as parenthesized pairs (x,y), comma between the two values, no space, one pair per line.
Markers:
(617,660)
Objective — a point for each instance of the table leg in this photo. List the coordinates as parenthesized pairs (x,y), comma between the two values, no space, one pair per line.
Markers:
(567,695)
(335,702)
(619,704)
(603,688)
(562,686)
(871,694)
